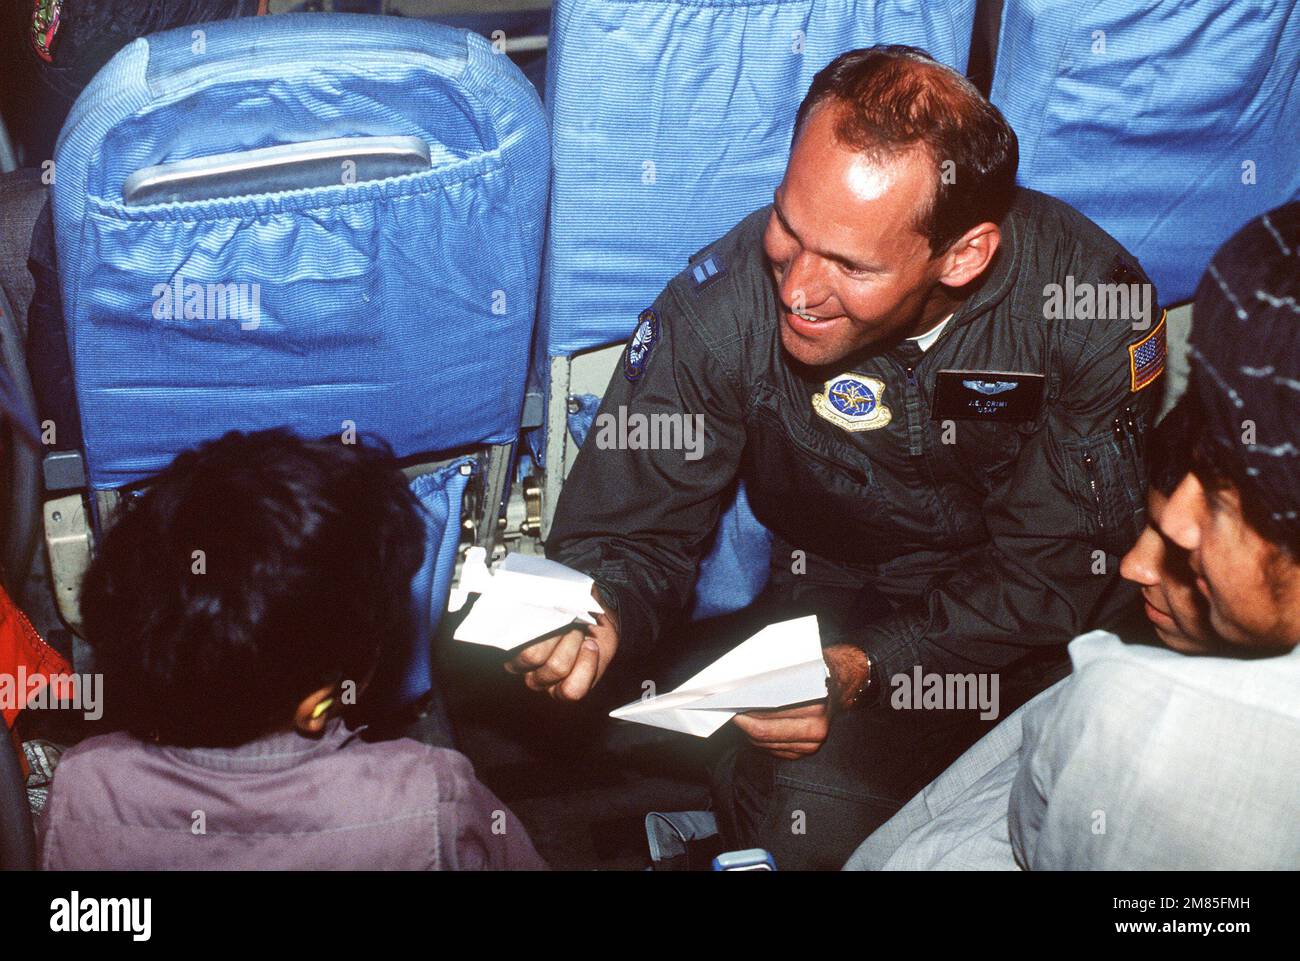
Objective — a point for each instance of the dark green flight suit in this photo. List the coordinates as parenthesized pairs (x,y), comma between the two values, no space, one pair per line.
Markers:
(982,536)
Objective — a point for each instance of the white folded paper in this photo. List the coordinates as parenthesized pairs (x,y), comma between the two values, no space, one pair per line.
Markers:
(781,664)
(521,598)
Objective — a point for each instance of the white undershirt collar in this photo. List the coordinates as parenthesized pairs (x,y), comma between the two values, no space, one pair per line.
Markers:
(926,341)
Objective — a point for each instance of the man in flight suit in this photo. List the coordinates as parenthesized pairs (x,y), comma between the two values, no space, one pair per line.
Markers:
(934,386)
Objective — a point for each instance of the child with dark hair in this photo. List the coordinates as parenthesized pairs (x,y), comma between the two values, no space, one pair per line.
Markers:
(237,608)
(1172,609)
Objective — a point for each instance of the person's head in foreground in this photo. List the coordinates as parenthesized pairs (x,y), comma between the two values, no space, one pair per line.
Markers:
(899,174)
(1237,513)
(1178,613)
(253,581)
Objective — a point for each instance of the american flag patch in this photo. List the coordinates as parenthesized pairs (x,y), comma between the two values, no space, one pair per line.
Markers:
(1146,358)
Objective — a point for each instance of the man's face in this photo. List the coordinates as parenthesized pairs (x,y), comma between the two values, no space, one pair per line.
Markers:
(843,244)
(1252,587)
(1179,615)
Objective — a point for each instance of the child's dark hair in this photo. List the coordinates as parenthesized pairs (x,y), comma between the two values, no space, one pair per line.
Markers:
(1218,470)
(1180,445)
(253,571)
(1169,454)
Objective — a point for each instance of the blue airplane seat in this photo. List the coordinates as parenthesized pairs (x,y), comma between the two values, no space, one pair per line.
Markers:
(1170,125)
(400,307)
(440,494)
(404,305)
(671,120)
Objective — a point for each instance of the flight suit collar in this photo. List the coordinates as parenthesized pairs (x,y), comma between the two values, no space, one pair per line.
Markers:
(1002,274)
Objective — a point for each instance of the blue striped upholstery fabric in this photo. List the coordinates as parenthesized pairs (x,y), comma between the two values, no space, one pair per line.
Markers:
(404,306)
(1169,123)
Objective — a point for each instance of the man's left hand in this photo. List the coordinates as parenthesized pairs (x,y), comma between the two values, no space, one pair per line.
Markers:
(789,733)
(793,732)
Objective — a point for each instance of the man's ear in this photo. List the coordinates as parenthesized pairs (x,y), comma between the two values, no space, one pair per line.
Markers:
(314,711)
(970,254)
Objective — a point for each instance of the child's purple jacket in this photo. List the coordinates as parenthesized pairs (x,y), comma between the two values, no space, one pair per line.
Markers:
(281,802)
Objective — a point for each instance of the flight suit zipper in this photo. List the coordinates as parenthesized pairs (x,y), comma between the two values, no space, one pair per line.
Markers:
(1131,431)
(1090,469)
(1125,428)
(912,406)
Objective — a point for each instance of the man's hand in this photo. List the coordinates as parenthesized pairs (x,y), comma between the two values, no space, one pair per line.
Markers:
(794,732)
(789,733)
(567,666)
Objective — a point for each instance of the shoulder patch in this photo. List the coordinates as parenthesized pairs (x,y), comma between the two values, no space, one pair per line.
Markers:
(637,353)
(1146,358)
(46,20)
(707,271)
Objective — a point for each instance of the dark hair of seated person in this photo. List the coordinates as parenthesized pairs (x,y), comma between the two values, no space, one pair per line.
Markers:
(1169,453)
(308,552)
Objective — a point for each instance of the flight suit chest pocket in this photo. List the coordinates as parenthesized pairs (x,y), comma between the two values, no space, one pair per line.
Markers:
(1107,473)
(820,495)
(985,451)
(797,449)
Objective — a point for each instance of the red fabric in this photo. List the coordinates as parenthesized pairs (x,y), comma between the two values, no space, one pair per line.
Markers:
(21,646)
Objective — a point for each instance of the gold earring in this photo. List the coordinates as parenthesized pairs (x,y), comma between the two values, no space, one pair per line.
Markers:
(322,707)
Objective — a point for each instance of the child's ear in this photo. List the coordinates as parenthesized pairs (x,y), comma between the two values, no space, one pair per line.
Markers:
(314,711)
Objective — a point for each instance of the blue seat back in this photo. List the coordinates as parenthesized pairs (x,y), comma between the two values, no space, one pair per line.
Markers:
(735,568)
(440,494)
(403,307)
(1170,125)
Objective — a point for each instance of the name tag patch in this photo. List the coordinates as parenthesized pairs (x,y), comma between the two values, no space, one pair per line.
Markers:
(992,395)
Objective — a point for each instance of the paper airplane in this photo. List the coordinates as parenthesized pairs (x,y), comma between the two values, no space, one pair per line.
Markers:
(521,599)
(781,664)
